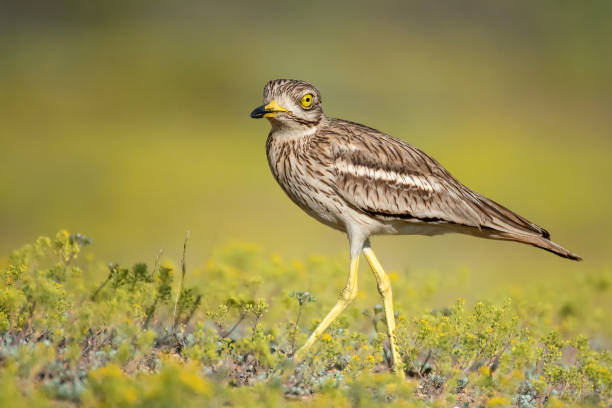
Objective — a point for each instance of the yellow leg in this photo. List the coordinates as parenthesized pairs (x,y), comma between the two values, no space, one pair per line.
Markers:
(348,294)
(384,288)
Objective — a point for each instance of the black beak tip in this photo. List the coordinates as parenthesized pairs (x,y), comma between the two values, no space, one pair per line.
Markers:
(259,112)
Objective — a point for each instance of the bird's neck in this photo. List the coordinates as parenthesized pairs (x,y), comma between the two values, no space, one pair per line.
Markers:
(292,133)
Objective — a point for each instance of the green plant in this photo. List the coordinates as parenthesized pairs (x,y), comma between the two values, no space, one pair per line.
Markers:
(75,332)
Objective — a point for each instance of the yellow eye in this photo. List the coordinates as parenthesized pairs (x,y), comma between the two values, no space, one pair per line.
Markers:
(306,100)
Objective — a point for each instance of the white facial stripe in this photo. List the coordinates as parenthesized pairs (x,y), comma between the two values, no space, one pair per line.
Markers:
(421,182)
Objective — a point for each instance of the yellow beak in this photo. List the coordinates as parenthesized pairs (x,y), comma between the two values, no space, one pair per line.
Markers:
(268,111)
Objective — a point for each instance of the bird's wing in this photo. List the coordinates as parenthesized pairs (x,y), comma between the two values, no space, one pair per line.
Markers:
(388,178)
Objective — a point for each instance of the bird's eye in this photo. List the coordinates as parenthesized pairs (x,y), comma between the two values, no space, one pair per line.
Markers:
(306,100)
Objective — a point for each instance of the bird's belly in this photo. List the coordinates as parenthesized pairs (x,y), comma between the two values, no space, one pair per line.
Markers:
(420,228)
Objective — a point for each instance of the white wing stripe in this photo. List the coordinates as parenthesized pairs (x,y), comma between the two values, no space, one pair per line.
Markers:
(424,183)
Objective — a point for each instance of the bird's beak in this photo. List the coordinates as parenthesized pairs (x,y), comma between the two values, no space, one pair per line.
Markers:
(267,111)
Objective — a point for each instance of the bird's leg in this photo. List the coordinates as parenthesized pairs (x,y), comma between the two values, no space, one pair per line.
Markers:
(348,294)
(384,288)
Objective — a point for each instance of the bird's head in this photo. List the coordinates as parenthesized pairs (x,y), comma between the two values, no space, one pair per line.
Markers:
(289,103)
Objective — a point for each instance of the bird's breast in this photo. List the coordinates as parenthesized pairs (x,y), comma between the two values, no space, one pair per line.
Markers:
(306,178)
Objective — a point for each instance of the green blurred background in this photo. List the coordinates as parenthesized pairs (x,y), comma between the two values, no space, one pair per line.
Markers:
(129,121)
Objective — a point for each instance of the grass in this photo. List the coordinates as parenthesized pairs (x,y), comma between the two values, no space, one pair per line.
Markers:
(75,332)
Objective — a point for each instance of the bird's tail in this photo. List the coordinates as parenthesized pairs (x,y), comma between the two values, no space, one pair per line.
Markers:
(540,242)
(503,223)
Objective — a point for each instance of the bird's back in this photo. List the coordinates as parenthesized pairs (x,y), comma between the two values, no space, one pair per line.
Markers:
(391,180)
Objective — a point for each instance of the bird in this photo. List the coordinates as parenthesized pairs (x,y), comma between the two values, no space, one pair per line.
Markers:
(363,182)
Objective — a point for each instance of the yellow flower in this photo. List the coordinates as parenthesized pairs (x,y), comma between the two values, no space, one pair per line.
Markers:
(195,382)
(391,388)
(62,235)
(498,402)
(109,371)
(130,395)
(518,374)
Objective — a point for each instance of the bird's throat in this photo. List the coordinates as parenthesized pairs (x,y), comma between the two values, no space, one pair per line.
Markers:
(288,133)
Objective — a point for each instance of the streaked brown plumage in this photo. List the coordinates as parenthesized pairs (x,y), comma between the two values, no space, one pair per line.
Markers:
(364,182)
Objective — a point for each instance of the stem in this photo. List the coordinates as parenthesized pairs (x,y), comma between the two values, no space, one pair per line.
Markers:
(156,262)
(193,309)
(151,310)
(108,278)
(297,321)
(231,329)
(424,363)
(150,313)
(180,285)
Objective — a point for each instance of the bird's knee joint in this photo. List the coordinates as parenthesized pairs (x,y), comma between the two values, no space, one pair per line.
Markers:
(384,288)
(349,294)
